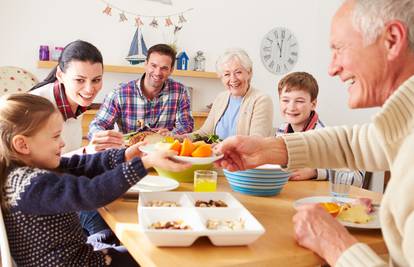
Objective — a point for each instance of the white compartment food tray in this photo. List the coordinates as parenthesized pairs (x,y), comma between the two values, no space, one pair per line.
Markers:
(196,218)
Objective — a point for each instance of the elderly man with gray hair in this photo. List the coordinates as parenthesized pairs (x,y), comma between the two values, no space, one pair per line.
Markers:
(372,45)
(240,109)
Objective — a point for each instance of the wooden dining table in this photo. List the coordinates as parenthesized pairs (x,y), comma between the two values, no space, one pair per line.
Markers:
(276,247)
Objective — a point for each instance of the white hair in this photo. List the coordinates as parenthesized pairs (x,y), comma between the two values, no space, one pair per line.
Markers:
(370,17)
(234,54)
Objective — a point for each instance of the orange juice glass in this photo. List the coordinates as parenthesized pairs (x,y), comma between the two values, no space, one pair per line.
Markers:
(205,181)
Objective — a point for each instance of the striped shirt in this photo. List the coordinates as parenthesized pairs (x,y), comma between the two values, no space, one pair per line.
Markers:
(348,177)
(127,104)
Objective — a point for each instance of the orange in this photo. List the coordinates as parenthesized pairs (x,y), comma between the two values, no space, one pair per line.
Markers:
(202,151)
(187,148)
(331,207)
(199,143)
(176,146)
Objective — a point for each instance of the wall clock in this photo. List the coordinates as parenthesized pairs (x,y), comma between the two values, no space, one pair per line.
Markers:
(279,50)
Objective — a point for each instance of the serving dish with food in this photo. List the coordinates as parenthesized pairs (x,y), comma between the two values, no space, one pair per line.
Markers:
(179,218)
(198,152)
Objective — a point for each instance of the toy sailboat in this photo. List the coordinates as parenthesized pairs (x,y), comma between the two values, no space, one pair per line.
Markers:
(138,50)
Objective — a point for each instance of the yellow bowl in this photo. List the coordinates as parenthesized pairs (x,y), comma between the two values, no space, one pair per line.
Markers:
(186,176)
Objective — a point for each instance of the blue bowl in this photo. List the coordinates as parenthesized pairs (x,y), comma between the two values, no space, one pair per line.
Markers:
(257,182)
(269,192)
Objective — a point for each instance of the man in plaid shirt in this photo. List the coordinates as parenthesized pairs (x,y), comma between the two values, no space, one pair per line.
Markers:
(162,103)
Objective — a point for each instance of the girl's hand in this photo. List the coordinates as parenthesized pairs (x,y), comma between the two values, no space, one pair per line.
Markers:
(134,151)
(164,160)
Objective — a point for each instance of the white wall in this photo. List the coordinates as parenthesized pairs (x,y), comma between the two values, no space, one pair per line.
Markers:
(213,26)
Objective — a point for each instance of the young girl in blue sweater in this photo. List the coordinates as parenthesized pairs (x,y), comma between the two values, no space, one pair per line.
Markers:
(42,192)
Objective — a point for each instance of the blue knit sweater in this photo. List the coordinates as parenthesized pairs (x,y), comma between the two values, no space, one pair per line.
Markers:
(40,206)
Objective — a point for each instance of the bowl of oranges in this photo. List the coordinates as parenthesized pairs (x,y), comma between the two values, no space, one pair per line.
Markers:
(200,154)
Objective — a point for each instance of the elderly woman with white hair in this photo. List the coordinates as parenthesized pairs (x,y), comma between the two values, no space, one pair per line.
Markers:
(240,109)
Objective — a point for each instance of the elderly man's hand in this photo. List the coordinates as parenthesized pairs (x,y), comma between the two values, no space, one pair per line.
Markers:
(107,139)
(246,152)
(320,232)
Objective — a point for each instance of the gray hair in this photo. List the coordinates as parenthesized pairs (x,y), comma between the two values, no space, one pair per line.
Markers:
(370,17)
(234,54)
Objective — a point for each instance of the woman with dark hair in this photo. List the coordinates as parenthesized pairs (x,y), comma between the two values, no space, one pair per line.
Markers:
(72,86)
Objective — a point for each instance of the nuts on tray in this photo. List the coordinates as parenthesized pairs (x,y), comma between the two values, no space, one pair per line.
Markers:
(211,203)
(161,203)
(171,225)
(213,224)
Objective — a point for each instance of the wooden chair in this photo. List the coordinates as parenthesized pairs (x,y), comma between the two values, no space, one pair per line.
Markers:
(6,258)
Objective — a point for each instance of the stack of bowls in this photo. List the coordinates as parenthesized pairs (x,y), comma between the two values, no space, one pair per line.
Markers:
(265,180)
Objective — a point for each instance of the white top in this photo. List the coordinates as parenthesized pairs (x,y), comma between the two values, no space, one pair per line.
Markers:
(72,128)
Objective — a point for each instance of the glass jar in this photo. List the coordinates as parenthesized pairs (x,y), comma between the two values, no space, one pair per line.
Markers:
(44,52)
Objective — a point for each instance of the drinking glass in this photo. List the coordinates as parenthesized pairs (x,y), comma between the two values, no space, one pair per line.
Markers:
(340,181)
(205,181)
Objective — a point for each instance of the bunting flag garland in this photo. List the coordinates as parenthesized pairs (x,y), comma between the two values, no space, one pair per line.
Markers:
(177,29)
(107,10)
(150,20)
(168,22)
(138,22)
(154,23)
(181,19)
(122,17)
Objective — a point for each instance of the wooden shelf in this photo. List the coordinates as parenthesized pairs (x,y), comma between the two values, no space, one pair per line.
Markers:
(137,69)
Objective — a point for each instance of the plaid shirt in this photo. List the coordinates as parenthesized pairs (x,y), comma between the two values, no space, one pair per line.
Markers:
(127,104)
(62,102)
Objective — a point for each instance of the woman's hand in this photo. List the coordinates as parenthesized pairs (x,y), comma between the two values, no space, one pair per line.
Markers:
(303,174)
(320,232)
(164,160)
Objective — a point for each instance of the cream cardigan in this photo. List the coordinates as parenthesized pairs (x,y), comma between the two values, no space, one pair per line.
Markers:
(255,117)
(386,143)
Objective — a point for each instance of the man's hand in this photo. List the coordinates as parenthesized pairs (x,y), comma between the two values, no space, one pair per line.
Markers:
(107,139)
(320,232)
(303,174)
(246,152)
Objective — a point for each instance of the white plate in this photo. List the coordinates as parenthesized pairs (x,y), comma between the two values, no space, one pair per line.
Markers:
(153,183)
(373,224)
(193,160)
